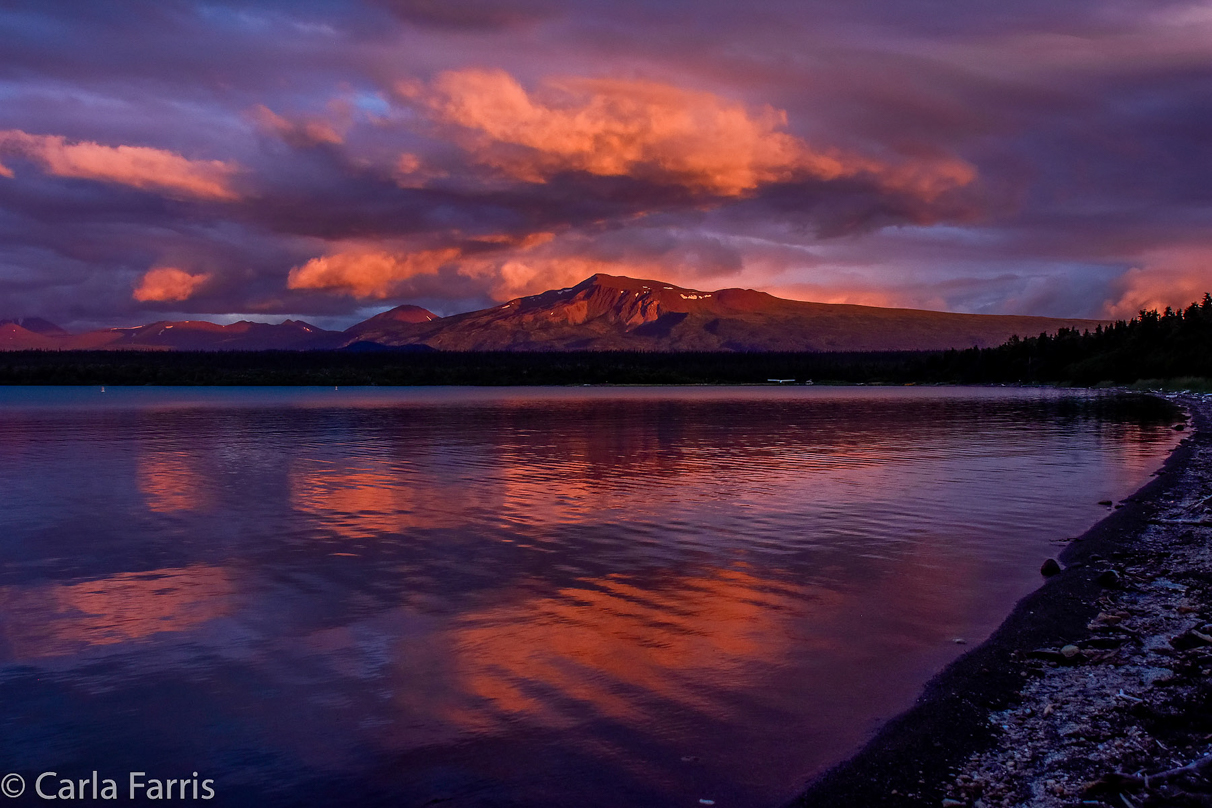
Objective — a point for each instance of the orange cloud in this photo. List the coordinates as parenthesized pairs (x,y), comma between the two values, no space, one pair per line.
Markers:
(411,172)
(509,267)
(503,267)
(137,166)
(168,283)
(408,164)
(367,273)
(1173,277)
(649,130)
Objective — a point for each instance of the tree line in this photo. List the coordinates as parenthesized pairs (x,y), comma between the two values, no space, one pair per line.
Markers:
(1153,345)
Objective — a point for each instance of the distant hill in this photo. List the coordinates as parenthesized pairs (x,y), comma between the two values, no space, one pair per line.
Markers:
(29,333)
(36,325)
(14,337)
(606,312)
(388,322)
(184,335)
(199,335)
(602,313)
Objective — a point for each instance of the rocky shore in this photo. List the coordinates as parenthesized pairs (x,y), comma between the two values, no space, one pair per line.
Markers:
(1097,690)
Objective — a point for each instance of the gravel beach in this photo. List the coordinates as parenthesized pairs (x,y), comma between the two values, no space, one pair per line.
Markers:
(1097,690)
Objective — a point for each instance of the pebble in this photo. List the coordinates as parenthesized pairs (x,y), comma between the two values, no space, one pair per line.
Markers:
(1079,716)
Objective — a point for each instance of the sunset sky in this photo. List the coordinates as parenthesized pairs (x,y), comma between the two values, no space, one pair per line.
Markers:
(327,160)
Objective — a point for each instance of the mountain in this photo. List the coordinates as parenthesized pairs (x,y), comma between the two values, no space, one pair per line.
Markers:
(199,335)
(602,313)
(387,323)
(606,312)
(14,337)
(36,325)
(184,335)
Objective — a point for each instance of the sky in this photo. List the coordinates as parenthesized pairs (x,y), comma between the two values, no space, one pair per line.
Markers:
(169,159)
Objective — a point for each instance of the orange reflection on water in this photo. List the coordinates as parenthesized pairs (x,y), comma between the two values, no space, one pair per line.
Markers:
(603,645)
(170,482)
(378,496)
(61,619)
(570,487)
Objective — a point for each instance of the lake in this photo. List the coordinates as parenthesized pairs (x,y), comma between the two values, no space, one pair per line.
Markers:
(518,597)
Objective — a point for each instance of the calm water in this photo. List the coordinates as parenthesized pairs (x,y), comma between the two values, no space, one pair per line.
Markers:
(474,597)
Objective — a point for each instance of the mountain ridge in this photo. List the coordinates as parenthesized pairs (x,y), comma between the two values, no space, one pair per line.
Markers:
(603,312)
(607,312)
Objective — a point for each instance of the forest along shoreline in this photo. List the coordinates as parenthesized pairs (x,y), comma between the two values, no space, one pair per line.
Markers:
(1097,690)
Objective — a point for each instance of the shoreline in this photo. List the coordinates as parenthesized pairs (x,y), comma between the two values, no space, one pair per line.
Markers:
(1015,722)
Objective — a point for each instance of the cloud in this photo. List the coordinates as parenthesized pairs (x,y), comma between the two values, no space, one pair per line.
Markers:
(1172,277)
(168,284)
(367,272)
(494,268)
(650,131)
(137,166)
(497,268)
(469,15)
(302,133)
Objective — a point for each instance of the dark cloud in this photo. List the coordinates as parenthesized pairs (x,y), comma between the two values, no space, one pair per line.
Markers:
(470,15)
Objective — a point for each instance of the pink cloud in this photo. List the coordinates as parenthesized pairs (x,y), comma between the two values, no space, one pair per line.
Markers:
(168,284)
(137,166)
(1172,277)
(659,132)
(305,132)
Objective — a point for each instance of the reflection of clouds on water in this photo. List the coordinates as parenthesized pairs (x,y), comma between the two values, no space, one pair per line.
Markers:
(660,655)
(608,649)
(171,481)
(358,502)
(609,646)
(359,497)
(605,649)
(49,620)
